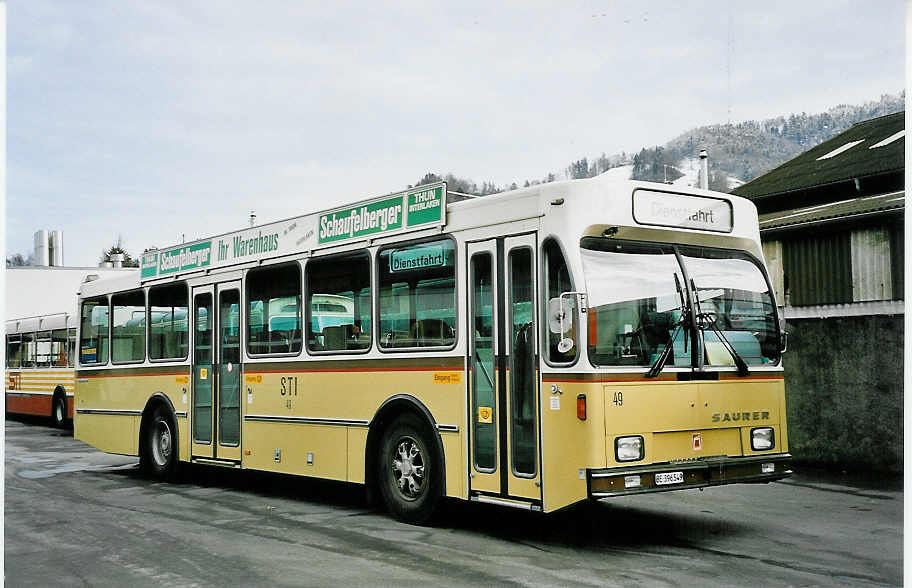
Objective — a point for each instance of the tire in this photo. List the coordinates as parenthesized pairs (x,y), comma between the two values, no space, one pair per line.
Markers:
(410,470)
(59,411)
(158,444)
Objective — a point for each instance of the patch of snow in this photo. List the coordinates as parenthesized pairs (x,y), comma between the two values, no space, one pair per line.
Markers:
(622,172)
(690,167)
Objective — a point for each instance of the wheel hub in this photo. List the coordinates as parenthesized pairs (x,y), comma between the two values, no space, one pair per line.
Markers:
(408,468)
(161,443)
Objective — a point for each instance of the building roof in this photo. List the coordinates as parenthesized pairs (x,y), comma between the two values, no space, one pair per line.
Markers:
(870,148)
(822,213)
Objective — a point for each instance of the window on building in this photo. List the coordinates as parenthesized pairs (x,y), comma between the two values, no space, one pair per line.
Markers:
(339,303)
(274,310)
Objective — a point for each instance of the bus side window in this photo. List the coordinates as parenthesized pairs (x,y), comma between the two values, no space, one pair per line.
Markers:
(274,310)
(557,281)
(13,351)
(128,326)
(339,303)
(418,295)
(93,341)
(59,348)
(43,349)
(71,347)
(168,321)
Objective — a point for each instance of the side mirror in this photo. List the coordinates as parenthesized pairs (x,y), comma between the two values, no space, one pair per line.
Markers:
(560,320)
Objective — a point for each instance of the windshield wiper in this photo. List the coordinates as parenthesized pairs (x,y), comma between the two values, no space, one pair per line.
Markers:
(705,319)
(662,359)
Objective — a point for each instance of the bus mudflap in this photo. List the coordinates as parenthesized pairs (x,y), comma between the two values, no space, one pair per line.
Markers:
(680,475)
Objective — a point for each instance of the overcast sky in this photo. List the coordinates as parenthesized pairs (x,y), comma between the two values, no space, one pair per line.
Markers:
(154,120)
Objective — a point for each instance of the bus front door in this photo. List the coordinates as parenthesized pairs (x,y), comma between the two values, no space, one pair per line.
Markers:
(215,417)
(503,388)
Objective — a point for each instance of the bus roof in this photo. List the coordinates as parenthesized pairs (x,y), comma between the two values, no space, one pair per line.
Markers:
(50,322)
(582,207)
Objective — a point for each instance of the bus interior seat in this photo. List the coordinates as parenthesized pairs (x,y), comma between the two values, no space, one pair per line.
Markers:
(341,337)
(334,337)
(279,342)
(431,332)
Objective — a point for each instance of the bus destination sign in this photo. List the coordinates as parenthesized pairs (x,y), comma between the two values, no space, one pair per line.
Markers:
(666,209)
(417,258)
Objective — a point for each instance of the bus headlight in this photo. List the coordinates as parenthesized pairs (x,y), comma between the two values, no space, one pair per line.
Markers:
(763,439)
(628,448)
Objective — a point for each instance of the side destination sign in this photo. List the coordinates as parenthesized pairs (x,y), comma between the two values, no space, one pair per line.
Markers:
(389,214)
(666,209)
(416,258)
(397,213)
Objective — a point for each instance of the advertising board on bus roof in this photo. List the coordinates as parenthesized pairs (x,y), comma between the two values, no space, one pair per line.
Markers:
(402,212)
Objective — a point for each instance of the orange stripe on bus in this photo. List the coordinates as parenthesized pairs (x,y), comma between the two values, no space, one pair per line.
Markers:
(596,378)
(359,370)
(86,376)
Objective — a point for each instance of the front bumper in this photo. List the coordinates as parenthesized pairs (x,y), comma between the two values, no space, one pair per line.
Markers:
(698,473)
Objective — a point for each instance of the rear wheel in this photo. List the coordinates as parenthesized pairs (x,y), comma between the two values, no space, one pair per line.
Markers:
(410,476)
(59,411)
(158,444)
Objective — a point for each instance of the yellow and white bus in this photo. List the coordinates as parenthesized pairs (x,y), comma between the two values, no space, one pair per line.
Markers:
(40,352)
(536,348)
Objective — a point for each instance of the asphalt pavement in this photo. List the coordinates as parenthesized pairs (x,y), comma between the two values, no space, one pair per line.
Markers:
(78,517)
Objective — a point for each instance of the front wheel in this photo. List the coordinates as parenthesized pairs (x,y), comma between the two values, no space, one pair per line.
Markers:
(410,476)
(158,445)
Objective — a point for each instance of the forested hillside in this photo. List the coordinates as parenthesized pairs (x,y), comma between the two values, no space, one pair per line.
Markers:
(738,152)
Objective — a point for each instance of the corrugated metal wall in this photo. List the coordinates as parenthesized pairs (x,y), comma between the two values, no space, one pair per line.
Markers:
(772,252)
(872,277)
(897,257)
(818,270)
(859,265)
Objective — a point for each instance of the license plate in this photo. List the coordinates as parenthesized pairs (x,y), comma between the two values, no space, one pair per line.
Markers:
(669,478)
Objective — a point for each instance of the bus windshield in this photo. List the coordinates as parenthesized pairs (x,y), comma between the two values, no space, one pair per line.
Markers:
(637,302)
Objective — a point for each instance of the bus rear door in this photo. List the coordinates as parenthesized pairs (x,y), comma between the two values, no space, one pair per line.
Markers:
(217,372)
